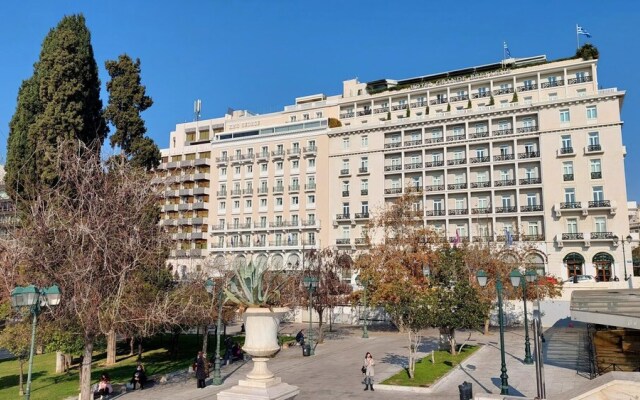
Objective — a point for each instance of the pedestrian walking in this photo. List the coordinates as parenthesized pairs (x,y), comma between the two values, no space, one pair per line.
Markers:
(369,372)
(201,372)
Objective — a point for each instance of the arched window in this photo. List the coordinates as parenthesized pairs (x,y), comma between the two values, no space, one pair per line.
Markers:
(535,262)
(602,262)
(574,263)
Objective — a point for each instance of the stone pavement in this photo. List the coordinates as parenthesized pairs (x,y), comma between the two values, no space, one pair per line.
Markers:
(334,371)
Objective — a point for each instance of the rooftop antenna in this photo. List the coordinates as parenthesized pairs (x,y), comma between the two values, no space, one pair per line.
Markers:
(197,107)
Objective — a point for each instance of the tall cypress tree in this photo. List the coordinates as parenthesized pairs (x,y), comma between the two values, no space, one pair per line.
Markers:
(127,99)
(59,105)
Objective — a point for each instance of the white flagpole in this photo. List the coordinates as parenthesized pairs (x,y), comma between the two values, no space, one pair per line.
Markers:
(577,37)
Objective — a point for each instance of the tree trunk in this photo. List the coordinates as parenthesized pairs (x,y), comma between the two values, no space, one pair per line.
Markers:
(452,340)
(486,326)
(21,384)
(330,319)
(85,371)
(131,345)
(111,347)
(412,364)
(67,362)
(320,321)
(139,349)
(60,362)
(205,339)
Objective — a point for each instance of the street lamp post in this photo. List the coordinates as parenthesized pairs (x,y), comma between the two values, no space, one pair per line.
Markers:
(34,298)
(217,377)
(530,277)
(365,284)
(311,283)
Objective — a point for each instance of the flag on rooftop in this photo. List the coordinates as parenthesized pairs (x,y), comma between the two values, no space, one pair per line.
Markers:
(507,53)
(581,31)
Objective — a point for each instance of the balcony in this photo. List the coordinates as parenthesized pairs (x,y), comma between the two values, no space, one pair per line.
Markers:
(415,165)
(349,114)
(594,148)
(343,242)
(310,222)
(438,163)
(566,150)
(481,210)
(602,235)
(498,92)
(277,154)
(363,112)
(310,150)
(527,129)
(480,95)
(236,192)
(344,172)
(277,224)
(437,139)
(435,213)
(294,188)
(263,191)
(309,186)
(392,145)
(483,184)
(460,98)
(364,192)
(533,238)
(502,132)
(529,154)
(573,236)
(526,88)
(457,161)
(596,175)
(360,241)
(454,138)
(507,209)
(531,208)
(247,191)
(364,215)
(484,239)
(458,211)
(263,155)
(260,225)
(222,160)
(476,160)
(393,191)
(396,167)
(278,189)
(582,79)
(217,227)
(418,104)
(482,134)
(380,110)
(363,170)
(530,181)
(504,182)
(546,85)
(345,193)
(343,217)
(221,193)
(440,100)
(504,157)
(569,205)
(600,204)
(433,188)
(567,177)
(456,186)
(413,142)
(295,152)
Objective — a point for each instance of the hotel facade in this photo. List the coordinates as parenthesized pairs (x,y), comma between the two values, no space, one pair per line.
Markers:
(526,151)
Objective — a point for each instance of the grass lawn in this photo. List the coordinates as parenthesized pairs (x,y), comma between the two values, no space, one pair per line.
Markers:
(46,384)
(427,373)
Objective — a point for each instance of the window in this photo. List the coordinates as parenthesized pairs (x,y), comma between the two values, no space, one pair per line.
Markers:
(572,225)
(294,200)
(530,173)
(532,228)
(248,203)
(459,178)
(311,163)
(249,169)
(223,172)
(364,141)
(436,134)
(601,224)
(532,199)
(528,84)
(264,151)
(459,204)
(595,166)
(598,194)
(592,112)
(345,164)
(569,195)
(295,164)
(580,76)
(345,143)
(364,164)
(567,170)
(263,203)
(482,176)
(566,141)
(236,204)
(280,149)
(263,167)
(296,147)
(458,154)
(345,209)
(483,202)
(506,201)
(305,117)
(480,153)
(437,205)
(436,157)
(552,81)
(437,180)
(292,118)
(364,185)
(504,124)
(527,123)
(564,115)
(529,148)
(458,131)
(482,92)
(346,232)
(279,166)
(279,201)
(222,205)
(345,186)
(237,171)
(504,174)
(263,220)
(504,150)
(311,199)
(480,128)
(318,114)
(594,139)
(365,207)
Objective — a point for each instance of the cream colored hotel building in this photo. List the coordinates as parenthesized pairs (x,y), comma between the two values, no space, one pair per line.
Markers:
(526,146)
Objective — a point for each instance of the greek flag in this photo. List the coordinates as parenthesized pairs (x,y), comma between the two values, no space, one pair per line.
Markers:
(581,31)
(508,238)
(507,53)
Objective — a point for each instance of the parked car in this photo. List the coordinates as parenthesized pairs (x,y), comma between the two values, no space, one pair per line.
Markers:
(581,279)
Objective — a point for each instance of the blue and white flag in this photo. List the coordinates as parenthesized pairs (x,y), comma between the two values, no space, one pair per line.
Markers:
(508,241)
(507,53)
(581,31)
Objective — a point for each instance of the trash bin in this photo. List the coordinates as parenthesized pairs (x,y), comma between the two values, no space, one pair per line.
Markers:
(306,350)
(466,391)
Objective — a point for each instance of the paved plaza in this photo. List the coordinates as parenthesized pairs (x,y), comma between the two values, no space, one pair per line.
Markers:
(334,371)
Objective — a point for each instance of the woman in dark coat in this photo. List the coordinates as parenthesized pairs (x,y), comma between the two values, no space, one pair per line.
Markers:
(201,371)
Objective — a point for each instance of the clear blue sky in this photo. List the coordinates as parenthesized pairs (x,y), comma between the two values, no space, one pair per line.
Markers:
(260,55)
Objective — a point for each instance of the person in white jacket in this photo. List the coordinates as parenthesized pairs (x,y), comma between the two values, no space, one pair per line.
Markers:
(369,373)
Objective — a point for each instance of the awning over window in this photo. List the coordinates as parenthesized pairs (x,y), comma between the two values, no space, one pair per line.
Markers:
(603,257)
(574,257)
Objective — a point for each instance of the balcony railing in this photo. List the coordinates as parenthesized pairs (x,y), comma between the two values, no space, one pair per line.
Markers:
(437,139)
(458,211)
(526,88)
(498,92)
(433,188)
(483,184)
(222,160)
(413,142)
(602,235)
(533,238)
(418,104)
(480,95)
(456,161)
(438,163)
(364,192)
(247,191)
(566,150)
(502,132)
(380,110)
(503,238)
(260,225)
(294,188)
(364,112)
(555,83)
(529,154)
(532,208)
(596,175)
(482,134)
(460,98)
(342,217)
(277,153)
(507,209)
(476,160)
(263,190)
(347,115)
(343,241)
(278,189)
(311,150)
(573,236)
(483,239)
(600,203)
(415,165)
(236,192)
(217,227)
(309,186)
(345,193)
(441,100)
(526,129)
(504,182)
(456,186)
(309,222)
(594,147)
(360,241)
(294,152)
(530,181)
(567,177)
(453,138)
(221,193)
(392,145)
(396,167)
(504,157)
(570,205)
(398,107)
(263,155)
(435,213)
(362,215)
(582,79)
(393,191)
(481,210)
(344,171)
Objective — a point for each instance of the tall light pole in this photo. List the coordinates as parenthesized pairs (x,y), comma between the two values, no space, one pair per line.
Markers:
(34,298)
(311,283)
(516,280)
(211,285)
(364,283)
(624,258)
